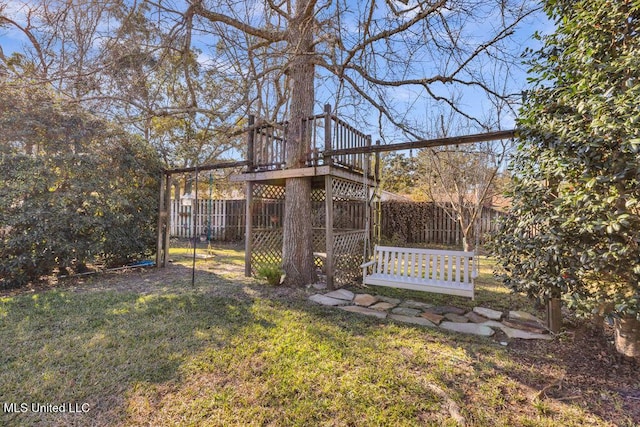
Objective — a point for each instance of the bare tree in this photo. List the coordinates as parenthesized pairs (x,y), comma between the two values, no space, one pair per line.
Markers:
(115,59)
(462,180)
(377,60)
(359,51)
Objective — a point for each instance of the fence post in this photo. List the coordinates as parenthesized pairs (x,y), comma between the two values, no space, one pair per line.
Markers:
(328,160)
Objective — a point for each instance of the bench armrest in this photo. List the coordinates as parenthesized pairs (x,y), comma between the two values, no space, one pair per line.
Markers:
(368,264)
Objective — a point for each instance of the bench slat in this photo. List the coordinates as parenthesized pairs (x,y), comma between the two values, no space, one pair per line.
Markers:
(431,270)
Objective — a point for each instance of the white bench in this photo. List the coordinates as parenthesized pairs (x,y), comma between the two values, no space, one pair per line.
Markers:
(430,270)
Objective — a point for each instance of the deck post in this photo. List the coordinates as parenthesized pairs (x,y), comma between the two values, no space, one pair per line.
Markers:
(167,221)
(329,238)
(554,313)
(162,216)
(328,160)
(248,231)
(250,142)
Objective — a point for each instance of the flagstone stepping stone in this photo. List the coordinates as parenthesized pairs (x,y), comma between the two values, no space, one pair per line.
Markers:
(432,317)
(390,300)
(382,306)
(365,300)
(468,328)
(406,311)
(325,300)
(517,333)
(456,318)
(446,309)
(524,316)
(475,317)
(488,313)
(525,335)
(416,304)
(529,327)
(411,319)
(364,310)
(342,294)
(319,286)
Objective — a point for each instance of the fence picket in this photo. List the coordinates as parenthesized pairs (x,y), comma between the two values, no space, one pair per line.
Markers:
(413,222)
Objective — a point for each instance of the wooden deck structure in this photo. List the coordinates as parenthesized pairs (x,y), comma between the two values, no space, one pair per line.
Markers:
(339,182)
(344,178)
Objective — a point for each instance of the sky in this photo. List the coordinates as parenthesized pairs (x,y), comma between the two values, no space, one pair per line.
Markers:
(11,40)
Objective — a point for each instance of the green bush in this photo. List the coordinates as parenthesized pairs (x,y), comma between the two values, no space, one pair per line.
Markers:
(271,273)
(73,190)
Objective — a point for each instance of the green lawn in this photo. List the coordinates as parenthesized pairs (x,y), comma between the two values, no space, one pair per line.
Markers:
(237,352)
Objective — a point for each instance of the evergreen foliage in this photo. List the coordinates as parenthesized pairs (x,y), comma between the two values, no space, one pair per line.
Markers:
(73,189)
(575,224)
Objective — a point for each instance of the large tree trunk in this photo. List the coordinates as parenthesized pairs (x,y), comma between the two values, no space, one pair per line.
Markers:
(627,336)
(297,251)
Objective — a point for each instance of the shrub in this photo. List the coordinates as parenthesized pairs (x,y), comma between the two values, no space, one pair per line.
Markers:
(72,192)
(271,273)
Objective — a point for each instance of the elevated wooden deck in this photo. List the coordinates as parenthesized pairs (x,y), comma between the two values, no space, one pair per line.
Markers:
(267,151)
(341,183)
(318,173)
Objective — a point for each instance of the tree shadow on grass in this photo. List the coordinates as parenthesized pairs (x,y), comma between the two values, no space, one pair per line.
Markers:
(66,347)
(147,348)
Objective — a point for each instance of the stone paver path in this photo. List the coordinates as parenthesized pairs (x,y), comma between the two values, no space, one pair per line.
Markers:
(480,321)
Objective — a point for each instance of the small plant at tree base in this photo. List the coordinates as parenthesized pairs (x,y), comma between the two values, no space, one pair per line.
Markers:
(271,273)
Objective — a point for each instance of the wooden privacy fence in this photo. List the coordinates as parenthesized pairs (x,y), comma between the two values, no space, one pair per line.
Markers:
(429,223)
(402,222)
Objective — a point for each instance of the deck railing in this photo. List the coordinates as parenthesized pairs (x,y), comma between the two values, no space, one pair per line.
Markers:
(267,144)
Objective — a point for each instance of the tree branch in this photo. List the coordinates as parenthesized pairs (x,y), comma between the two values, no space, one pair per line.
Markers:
(271,35)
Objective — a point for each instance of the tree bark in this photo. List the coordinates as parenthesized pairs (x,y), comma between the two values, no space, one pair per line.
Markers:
(297,249)
(627,336)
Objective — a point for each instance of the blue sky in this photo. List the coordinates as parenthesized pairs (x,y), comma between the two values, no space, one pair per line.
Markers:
(11,39)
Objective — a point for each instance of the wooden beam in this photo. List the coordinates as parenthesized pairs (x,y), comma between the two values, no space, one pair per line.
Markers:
(277,174)
(427,143)
(282,174)
(203,168)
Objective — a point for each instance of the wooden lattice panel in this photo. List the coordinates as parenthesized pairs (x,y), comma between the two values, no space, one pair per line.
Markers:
(319,240)
(349,190)
(318,195)
(267,249)
(348,250)
(319,247)
(318,214)
(266,191)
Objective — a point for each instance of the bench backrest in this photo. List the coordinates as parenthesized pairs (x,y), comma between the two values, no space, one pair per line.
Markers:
(428,264)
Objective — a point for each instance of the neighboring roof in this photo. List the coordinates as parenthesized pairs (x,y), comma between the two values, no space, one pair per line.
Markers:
(388,196)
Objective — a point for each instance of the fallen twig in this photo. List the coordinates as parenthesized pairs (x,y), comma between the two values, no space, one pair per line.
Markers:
(544,389)
(452,406)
